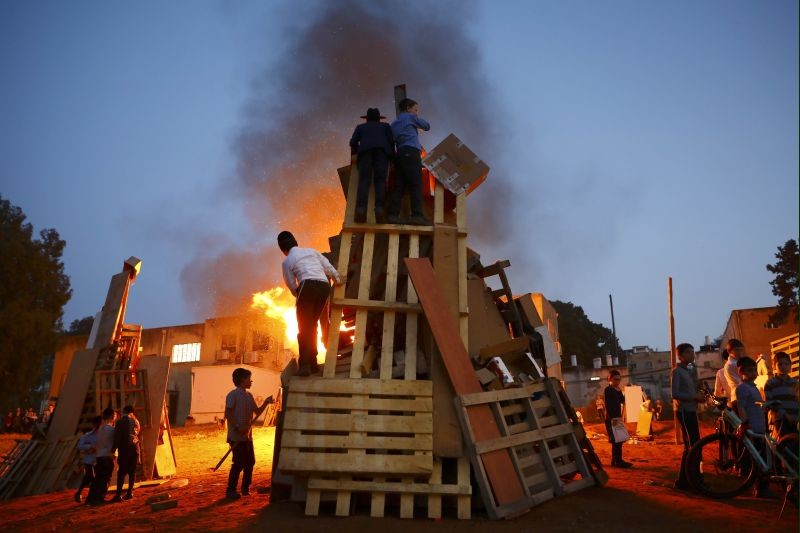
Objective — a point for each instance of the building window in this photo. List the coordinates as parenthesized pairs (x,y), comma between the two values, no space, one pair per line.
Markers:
(186,353)
(229,343)
(648,365)
(261,341)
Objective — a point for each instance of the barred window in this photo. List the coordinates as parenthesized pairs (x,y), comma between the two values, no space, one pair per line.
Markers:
(186,353)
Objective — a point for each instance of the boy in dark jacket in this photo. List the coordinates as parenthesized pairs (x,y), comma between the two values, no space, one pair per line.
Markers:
(374,143)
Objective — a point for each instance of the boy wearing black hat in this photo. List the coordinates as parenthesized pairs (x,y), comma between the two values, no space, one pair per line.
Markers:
(306,273)
(374,143)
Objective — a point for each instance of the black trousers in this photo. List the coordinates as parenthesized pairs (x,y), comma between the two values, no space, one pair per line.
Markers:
(127,463)
(244,458)
(408,176)
(690,430)
(373,165)
(311,300)
(88,477)
(102,476)
(616,447)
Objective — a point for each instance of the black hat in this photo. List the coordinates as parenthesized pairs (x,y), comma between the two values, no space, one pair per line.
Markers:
(373,114)
(286,241)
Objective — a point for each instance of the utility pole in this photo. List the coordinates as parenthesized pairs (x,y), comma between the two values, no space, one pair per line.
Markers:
(613,328)
(672,356)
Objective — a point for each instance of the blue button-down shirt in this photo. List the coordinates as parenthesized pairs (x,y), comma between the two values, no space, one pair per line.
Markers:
(406,130)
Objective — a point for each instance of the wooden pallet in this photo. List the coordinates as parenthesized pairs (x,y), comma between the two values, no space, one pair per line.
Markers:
(26,460)
(540,439)
(363,426)
(409,494)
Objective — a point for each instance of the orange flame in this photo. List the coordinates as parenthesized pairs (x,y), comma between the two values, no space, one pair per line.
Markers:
(279,304)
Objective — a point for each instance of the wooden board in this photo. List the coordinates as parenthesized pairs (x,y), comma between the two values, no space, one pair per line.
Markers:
(447,441)
(73,395)
(113,310)
(157,368)
(506,486)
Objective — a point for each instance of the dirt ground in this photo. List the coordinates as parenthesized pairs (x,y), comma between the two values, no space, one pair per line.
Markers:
(639,499)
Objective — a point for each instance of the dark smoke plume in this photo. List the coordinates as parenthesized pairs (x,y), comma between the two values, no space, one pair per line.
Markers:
(347,57)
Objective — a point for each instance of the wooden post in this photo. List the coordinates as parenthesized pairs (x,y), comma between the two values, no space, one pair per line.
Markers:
(672,356)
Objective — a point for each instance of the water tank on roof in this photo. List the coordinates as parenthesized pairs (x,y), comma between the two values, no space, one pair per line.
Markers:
(597,362)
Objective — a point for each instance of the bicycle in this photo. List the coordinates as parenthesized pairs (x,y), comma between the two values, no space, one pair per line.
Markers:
(723,465)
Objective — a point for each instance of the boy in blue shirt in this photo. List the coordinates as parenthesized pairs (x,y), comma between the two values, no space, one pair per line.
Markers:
(408,163)
(87,445)
(752,415)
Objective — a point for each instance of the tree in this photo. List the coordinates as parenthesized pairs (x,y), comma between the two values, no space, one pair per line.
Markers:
(582,337)
(81,326)
(784,286)
(33,292)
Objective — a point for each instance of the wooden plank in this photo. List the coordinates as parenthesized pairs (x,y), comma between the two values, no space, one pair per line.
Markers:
(411,319)
(463,298)
(447,441)
(493,396)
(419,423)
(156,369)
(421,405)
(295,439)
(387,345)
(511,345)
(73,395)
(380,387)
(506,486)
(397,229)
(391,488)
(377,305)
(113,312)
(294,461)
(435,500)
(463,503)
(528,437)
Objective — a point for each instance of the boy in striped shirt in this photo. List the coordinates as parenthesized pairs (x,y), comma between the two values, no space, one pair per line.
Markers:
(782,387)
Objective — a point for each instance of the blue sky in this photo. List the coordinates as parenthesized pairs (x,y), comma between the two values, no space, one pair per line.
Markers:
(636,140)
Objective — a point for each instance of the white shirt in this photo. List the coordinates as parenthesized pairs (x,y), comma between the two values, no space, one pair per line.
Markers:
(732,378)
(105,441)
(304,264)
(720,384)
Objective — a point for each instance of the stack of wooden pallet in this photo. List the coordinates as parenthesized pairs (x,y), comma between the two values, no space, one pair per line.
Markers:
(37,466)
(397,417)
(788,345)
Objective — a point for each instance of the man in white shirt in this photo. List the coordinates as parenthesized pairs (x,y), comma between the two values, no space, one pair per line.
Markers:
(730,372)
(306,273)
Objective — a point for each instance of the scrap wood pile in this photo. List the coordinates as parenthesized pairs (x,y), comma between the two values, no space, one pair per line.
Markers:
(109,373)
(442,376)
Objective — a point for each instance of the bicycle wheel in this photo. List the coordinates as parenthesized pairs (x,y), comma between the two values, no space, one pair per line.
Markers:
(788,447)
(720,466)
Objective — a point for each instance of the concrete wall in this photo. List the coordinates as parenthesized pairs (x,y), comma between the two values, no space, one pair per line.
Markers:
(584,385)
(753,328)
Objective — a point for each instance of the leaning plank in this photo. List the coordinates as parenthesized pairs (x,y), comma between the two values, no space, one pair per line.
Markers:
(506,486)
(156,369)
(73,395)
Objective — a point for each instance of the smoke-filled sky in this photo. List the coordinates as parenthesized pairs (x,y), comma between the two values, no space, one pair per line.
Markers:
(629,141)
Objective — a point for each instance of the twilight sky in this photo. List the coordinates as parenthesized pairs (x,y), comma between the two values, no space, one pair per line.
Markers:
(629,141)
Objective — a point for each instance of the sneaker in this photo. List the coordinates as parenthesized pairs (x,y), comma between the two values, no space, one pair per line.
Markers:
(360,216)
(419,220)
(303,371)
(78,498)
(245,492)
(115,499)
(624,464)
(128,496)
(232,495)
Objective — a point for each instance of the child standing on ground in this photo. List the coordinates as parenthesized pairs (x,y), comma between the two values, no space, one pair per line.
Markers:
(614,400)
(408,163)
(752,416)
(87,445)
(685,397)
(783,388)
(240,412)
(374,143)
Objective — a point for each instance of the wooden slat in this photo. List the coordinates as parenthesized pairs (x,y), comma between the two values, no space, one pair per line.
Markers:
(411,319)
(397,229)
(377,305)
(500,471)
(390,488)
(294,461)
(500,395)
(522,438)
(295,439)
(73,395)
(420,423)
(360,402)
(390,387)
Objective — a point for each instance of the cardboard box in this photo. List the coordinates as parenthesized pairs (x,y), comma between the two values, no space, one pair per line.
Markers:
(456,167)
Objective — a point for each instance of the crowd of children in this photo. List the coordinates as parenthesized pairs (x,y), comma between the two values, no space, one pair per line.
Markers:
(736,381)
(111,438)
(25,421)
